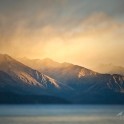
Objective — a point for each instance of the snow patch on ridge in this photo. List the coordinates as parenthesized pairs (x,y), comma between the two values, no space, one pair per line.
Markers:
(83,73)
(44,81)
(53,81)
(28,79)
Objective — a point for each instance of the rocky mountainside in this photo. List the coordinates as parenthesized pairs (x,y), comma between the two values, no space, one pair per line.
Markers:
(74,74)
(25,79)
(61,82)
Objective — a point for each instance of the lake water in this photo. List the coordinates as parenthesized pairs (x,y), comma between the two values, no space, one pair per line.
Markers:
(61,114)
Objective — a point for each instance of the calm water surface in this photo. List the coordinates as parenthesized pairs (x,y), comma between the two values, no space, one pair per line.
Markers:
(61,114)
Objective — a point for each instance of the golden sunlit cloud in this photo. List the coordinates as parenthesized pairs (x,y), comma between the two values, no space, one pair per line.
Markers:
(92,41)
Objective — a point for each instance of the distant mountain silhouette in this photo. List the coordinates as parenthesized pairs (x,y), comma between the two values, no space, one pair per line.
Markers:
(110,69)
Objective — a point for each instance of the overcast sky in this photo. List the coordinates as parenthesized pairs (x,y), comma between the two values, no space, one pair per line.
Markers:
(85,32)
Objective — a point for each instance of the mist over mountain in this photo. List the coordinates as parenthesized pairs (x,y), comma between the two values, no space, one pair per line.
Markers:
(47,81)
(110,69)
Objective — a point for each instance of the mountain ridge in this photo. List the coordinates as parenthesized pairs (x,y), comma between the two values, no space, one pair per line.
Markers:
(25,76)
(67,72)
(72,83)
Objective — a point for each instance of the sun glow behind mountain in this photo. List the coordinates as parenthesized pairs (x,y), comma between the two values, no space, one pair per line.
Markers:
(82,32)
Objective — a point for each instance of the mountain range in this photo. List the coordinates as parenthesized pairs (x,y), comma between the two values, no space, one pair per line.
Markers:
(46,81)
